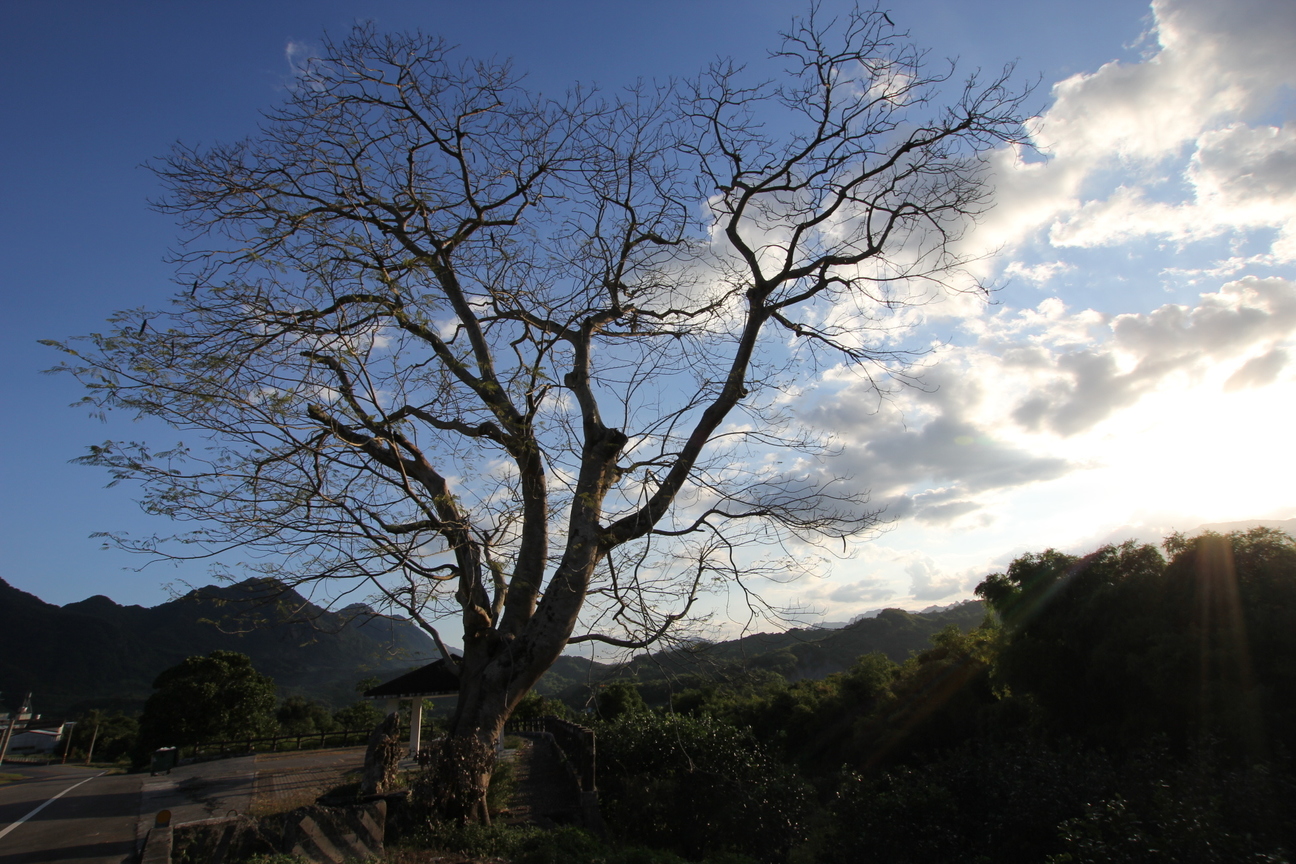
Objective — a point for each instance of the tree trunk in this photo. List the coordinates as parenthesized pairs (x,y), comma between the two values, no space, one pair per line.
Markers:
(459,767)
(494,676)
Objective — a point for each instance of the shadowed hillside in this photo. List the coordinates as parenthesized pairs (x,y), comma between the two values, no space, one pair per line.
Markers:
(96,653)
(793,655)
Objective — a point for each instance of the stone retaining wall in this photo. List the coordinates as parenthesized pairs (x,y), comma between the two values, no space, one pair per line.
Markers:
(322,835)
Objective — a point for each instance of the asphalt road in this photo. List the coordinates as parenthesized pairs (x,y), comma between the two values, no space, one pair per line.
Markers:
(84,816)
(66,813)
(195,793)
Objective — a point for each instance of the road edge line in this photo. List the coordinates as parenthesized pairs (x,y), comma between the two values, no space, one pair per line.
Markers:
(14,825)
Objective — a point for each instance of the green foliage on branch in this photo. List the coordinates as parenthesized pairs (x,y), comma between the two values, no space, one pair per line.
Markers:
(359,715)
(618,699)
(113,736)
(213,698)
(298,715)
(1125,705)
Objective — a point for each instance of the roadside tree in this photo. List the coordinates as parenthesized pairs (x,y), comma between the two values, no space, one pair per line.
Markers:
(525,361)
(219,697)
(298,715)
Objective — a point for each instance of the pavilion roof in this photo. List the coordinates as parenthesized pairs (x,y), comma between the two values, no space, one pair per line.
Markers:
(434,679)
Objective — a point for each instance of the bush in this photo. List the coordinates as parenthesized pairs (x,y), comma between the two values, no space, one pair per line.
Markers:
(361,715)
(502,784)
(618,698)
(114,737)
(561,846)
(1199,811)
(534,706)
(699,787)
(998,804)
(298,715)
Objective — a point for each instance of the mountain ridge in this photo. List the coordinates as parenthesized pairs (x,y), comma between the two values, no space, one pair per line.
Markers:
(98,653)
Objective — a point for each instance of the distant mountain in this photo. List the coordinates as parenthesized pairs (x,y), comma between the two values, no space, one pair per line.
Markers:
(1287,525)
(793,654)
(1154,533)
(96,653)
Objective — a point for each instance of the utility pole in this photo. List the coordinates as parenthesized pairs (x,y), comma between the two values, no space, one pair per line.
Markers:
(67,745)
(93,738)
(4,739)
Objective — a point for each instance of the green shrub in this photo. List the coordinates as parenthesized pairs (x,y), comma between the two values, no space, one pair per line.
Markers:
(699,787)
(298,715)
(361,715)
(1172,811)
(561,846)
(617,699)
(999,804)
(472,840)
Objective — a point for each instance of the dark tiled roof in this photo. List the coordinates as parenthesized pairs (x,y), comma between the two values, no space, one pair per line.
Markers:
(433,679)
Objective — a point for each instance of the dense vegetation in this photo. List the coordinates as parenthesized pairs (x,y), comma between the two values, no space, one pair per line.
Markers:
(582,683)
(1127,705)
(217,697)
(1121,706)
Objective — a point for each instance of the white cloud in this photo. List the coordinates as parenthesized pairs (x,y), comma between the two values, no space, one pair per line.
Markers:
(1059,424)
(1026,402)
(1039,274)
(1179,145)
(1258,371)
(1242,179)
(868,590)
(299,54)
(927,582)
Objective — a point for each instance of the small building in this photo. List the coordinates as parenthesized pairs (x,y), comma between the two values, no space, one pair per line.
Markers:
(36,740)
(426,682)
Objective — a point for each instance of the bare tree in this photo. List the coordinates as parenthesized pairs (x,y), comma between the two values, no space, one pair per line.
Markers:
(519,360)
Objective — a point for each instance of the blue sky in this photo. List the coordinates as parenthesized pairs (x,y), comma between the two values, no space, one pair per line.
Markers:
(1131,377)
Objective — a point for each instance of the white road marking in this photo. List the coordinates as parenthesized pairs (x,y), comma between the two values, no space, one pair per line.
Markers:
(47,803)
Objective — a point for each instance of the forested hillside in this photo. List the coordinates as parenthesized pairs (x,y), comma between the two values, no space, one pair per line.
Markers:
(96,653)
(787,656)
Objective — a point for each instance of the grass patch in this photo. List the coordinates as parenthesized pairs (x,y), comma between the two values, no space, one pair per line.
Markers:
(502,783)
(6,777)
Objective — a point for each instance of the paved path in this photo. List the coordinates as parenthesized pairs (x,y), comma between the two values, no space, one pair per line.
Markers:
(545,793)
(288,780)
